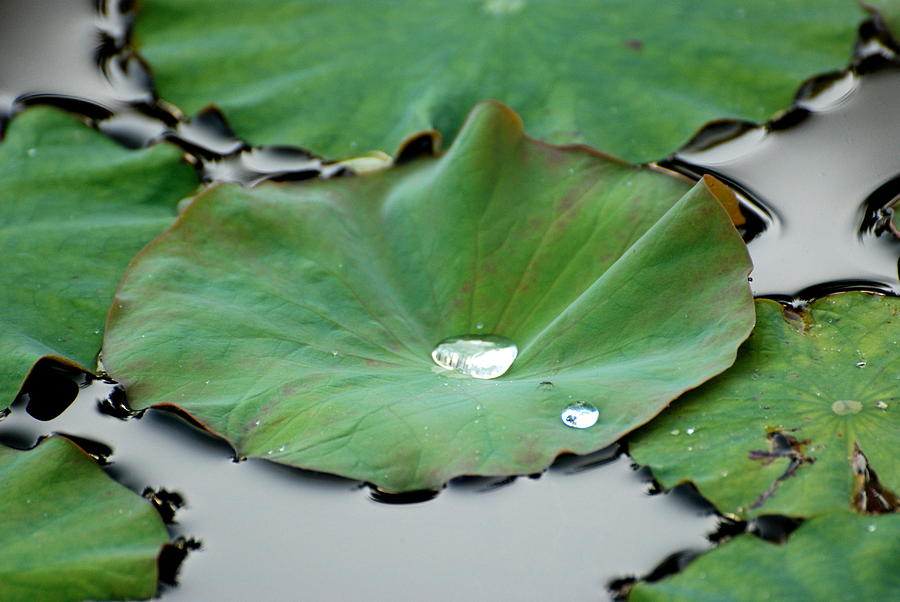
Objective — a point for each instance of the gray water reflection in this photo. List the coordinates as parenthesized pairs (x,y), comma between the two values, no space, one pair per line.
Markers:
(813,180)
(276,533)
(51,48)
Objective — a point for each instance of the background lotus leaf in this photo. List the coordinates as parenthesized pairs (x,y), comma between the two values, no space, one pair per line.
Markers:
(630,76)
(70,532)
(74,208)
(298,320)
(840,556)
(811,396)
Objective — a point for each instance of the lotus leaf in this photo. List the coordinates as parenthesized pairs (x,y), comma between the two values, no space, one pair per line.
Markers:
(806,421)
(298,321)
(70,532)
(634,77)
(839,556)
(74,208)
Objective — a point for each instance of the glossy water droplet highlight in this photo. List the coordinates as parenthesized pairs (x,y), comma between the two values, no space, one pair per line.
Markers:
(580,415)
(860,364)
(475,355)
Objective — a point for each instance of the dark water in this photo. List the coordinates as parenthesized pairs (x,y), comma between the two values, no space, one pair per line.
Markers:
(817,189)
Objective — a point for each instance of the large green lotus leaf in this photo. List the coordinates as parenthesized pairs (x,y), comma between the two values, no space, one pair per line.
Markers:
(70,532)
(634,77)
(810,397)
(840,556)
(74,208)
(298,320)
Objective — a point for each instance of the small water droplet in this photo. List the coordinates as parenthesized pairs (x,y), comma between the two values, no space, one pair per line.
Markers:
(97,331)
(281,449)
(479,326)
(334,354)
(479,407)
(256,423)
(860,364)
(881,405)
(724,473)
(580,415)
(689,430)
(207,382)
(871,528)
(270,452)
(475,355)
(32,152)
(674,432)
(843,407)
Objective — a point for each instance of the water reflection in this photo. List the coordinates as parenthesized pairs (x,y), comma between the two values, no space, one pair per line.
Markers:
(307,535)
(820,187)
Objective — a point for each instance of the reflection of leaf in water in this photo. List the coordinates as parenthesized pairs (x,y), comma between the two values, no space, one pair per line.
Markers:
(836,556)
(298,321)
(69,532)
(635,78)
(821,385)
(75,208)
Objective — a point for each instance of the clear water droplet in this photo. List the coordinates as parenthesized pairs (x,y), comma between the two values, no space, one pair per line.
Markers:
(479,326)
(674,432)
(580,415)
(881,405)
(689,430)
(860,364)
(281,449)
(32,152)
(871,528)
(475,355)
(256,423)
(334,354)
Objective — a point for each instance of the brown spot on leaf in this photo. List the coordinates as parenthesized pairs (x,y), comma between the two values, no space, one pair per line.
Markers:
(781,445)
(635,44)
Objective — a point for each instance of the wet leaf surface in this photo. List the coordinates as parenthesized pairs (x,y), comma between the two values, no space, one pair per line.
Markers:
(838,556)
(298,321)
(812,404)
(344,77)
(75,208)
(70,532)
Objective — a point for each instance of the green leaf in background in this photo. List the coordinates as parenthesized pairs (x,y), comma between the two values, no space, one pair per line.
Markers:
(70,532)
(839,556)
(788,429)
(298,321)
(74,208)
(634,77)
